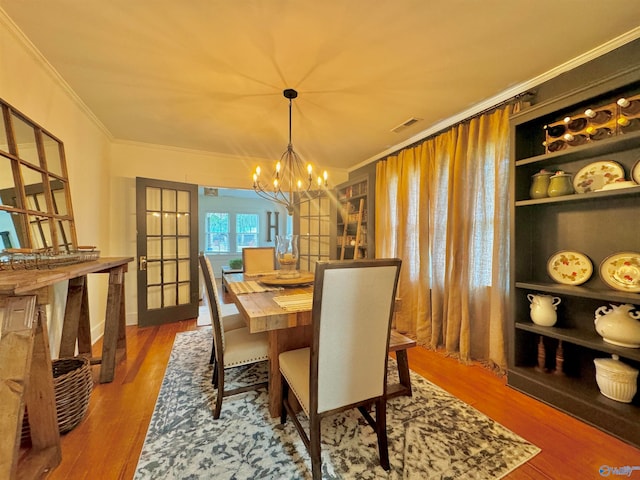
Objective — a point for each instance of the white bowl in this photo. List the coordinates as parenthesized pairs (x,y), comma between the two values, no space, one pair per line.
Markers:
(616,380)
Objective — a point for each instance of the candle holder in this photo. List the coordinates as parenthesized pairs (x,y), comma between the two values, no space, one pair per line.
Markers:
(287,256)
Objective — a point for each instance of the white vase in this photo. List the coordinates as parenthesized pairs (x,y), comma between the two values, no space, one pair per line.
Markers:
(543,309)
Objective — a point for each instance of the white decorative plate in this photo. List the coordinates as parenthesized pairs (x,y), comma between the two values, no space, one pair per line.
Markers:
(569,268)
(635,172)
(621,271)
(596,175)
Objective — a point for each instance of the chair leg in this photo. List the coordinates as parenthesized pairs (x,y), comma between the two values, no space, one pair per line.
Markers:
(220,395)
(213,352)
(214,377)
(285,396)
(381,432)
(314,447)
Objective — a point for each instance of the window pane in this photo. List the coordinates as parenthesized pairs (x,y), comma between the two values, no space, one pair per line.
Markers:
(246,230)
(217,231)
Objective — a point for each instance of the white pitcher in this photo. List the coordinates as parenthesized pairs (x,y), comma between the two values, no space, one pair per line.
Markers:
(543,309)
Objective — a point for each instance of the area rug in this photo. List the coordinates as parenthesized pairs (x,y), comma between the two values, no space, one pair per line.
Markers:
(432,435)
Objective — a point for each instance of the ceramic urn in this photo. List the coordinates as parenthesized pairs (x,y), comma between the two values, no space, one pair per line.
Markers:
(619,325)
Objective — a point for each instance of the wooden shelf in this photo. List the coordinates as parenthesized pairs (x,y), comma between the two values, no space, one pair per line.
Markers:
(581,291)
(579,398)
(581,337)
(618,143)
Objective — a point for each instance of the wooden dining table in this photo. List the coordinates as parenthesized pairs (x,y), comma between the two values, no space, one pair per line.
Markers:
(286,330)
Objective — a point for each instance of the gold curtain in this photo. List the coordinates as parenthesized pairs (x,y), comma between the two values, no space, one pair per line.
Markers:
(442,206)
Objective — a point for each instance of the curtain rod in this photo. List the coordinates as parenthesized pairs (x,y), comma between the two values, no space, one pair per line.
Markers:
(524,95)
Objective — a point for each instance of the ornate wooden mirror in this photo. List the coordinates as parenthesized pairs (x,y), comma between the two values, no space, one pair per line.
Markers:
(35,200)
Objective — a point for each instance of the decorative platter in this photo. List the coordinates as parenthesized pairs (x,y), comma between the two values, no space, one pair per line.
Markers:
(305,278)
(621,271)
(635,172)
(569,268)
(596,175)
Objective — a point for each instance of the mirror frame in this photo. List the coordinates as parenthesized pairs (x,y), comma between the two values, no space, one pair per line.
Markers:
(36,216)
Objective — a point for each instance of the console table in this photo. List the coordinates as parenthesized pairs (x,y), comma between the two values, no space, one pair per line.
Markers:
(25,360)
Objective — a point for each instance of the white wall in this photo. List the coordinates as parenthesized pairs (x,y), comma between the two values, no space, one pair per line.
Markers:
(29,84)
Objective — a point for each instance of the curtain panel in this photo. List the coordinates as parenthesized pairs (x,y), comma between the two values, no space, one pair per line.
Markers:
(442,206)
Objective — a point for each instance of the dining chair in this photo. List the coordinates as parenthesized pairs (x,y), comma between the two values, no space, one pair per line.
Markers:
(258,260)
(229,322)
(231,348)
(346,365)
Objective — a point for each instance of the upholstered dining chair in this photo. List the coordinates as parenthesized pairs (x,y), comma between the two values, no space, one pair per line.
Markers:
(346,365)
(258,260)
(229,322)
(231,348)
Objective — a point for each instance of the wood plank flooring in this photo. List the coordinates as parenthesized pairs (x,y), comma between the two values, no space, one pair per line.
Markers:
(106,445)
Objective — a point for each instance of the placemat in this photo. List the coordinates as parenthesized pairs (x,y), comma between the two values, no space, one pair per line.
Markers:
(250,286)
(295,303)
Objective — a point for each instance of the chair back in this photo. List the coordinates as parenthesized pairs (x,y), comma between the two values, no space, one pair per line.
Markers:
(353,305)
(214,307)
(258,259)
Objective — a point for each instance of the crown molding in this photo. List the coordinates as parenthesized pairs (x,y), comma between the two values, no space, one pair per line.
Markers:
(507,94)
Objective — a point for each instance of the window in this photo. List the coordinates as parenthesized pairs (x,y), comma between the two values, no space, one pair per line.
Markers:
(229,233)
(246,230)
(217,228)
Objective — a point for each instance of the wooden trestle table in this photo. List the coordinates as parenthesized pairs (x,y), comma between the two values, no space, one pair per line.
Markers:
(25,360)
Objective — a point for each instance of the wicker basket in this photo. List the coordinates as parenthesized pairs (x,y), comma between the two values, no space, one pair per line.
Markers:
(72,383)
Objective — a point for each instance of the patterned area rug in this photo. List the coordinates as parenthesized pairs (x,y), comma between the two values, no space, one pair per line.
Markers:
(432,435)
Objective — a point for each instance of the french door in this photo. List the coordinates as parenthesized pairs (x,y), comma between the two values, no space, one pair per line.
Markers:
(167,247)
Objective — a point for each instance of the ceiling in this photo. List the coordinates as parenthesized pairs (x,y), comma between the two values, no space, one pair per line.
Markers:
(209,74)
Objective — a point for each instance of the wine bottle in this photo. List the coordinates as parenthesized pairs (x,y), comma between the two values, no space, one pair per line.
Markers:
(575,124)
(555,130)
(629,124)
(599,116)
(554,146)
(599,133)
(629,107)
(575,140)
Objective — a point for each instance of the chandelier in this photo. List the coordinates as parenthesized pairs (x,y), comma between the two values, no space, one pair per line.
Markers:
(291,182)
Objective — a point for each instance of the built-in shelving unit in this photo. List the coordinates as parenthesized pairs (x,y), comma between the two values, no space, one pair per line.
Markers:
(353,233)
(596,224)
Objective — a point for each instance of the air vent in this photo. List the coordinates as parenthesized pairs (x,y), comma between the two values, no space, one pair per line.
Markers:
(405,124)
(210,192)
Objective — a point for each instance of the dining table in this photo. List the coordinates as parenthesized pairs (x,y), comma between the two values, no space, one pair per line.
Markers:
(282,309)
(288,327)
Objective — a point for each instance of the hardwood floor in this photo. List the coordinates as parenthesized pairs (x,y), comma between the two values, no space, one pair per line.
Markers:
(107,443)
